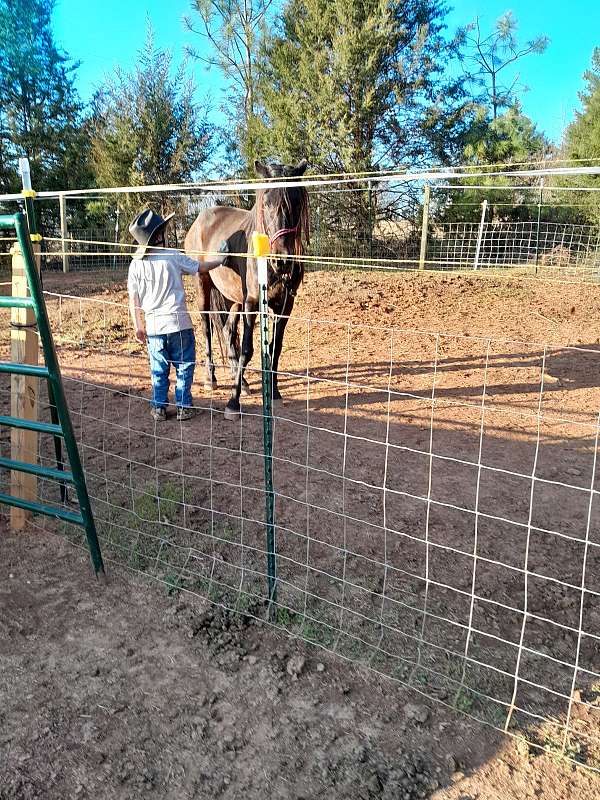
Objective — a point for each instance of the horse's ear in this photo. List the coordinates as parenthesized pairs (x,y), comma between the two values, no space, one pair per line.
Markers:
(262,169)
(300,168)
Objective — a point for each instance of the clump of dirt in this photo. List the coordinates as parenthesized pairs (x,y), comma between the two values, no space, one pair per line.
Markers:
(225,633)
(356,771)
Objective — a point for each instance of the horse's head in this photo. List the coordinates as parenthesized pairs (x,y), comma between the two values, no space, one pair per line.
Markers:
(282,212)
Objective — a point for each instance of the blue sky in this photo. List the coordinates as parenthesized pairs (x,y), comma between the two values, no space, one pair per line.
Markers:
(108,34)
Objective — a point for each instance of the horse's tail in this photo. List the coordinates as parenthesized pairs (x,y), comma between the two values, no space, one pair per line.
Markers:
(219,321)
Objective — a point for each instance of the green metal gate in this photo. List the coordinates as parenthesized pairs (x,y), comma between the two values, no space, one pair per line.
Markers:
(61,427)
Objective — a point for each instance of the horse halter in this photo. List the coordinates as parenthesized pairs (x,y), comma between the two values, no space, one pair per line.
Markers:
(278,233)
(285,271)
(283,232)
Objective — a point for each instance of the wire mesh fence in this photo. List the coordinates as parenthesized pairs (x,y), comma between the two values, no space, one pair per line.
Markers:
(436,505)
(85,249)
(563,250)
(363,224)
(436,495)
(544,245)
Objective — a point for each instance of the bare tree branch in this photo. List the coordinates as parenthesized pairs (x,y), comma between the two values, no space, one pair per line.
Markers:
(232,30)
(496,51)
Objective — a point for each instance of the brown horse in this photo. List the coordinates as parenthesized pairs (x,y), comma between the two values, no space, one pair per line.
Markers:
(232,290)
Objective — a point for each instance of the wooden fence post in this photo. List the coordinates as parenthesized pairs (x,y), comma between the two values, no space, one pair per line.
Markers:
(24,392)
(64,230)
(117,234)
(424,227)
(539,221)
(484,206)
(370,221)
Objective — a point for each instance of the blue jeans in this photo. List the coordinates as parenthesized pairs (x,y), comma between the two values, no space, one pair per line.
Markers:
(178,349)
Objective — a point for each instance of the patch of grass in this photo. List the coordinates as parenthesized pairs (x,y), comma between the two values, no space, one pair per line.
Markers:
(174,583)
(495,714)
(210,589)
(420,678)
(247,603)
(401,672)
(464,701)
(147,531)
(284,617)
(317,633)
(352,647)
(379,660)
(573,750)
(162,505)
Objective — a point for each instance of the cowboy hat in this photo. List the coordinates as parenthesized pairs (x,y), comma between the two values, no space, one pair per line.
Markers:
(143,228)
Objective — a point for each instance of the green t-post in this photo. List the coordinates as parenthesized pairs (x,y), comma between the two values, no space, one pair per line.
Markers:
(261,246)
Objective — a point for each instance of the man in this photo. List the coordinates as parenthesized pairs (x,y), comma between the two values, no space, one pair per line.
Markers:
(155,286)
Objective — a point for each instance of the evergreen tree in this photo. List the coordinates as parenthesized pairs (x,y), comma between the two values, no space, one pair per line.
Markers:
(511,138)
(146,128)
(360,86)
(40,113)
(582,140)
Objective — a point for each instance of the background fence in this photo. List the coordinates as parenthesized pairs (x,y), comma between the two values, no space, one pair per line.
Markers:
(517,244)
(567,249)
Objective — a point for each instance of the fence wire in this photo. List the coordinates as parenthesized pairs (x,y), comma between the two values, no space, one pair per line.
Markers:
(436,502)
(436,495)
(566,248)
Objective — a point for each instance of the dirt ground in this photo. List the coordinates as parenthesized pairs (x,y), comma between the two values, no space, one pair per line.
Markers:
(121,691)
(380,557)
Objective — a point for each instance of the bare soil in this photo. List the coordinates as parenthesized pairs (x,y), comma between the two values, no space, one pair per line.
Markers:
(372,533)
(121,691)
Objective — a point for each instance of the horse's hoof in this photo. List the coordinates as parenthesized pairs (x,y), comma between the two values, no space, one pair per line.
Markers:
(232,413)
(277,403)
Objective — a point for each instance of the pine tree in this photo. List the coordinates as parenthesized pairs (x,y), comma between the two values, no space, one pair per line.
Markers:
(360,86)
(41,116)
(510,138)
(582,140)
(147,129)
(489,54)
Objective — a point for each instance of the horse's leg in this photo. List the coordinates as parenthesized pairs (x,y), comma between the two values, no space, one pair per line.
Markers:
(231,334)
(203,286)
(232,409)
(277,343)
(211,381)
(234,356)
